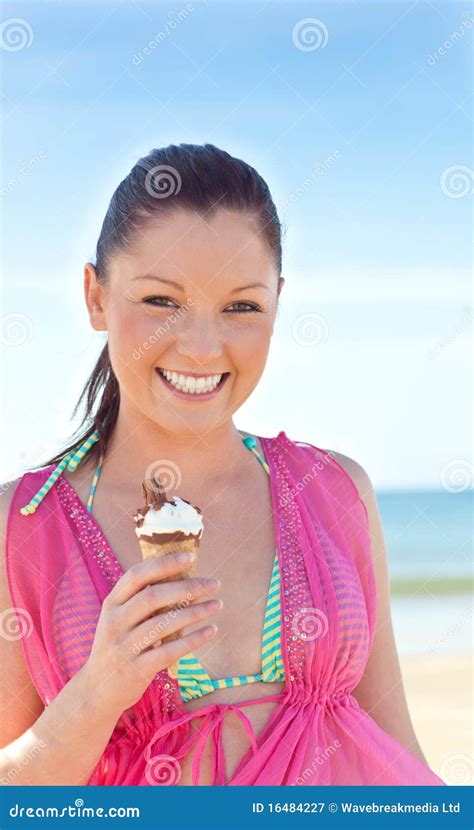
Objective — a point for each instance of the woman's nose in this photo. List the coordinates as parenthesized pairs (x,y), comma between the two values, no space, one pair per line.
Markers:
(199,340)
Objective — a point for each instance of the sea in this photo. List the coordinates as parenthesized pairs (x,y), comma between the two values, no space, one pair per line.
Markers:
(429,538)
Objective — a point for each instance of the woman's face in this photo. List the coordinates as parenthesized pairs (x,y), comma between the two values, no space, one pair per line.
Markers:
(189,312)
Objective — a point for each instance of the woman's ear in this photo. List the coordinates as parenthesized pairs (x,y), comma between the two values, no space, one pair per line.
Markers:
(94,296)
(281,283)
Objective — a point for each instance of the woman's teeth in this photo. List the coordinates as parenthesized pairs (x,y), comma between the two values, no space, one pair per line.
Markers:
(192,385)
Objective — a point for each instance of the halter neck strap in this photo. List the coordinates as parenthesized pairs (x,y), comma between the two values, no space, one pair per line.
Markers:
(72,460)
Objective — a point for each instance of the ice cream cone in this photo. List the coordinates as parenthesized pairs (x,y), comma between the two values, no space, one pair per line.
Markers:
(167,526)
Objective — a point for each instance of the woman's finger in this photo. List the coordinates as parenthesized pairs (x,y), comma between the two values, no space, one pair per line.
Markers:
(179,594)
(154,630)
(145,573)
(157,659)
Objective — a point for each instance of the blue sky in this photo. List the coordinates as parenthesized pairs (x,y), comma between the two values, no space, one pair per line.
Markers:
(377,244)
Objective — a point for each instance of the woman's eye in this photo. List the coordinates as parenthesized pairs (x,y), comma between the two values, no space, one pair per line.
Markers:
(243,308)
(236,308)
(160,302)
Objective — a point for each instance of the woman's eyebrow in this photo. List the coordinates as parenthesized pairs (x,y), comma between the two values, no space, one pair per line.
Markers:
(160,279)
(250,285)
(180,287)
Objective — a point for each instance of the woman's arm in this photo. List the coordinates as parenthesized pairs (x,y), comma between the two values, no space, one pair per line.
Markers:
(59,744)
(380,691)
(64,744)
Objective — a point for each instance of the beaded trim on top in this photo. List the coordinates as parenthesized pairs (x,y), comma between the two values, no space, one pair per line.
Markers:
(72,460)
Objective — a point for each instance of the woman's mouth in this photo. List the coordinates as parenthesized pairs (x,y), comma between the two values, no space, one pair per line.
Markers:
(192,386)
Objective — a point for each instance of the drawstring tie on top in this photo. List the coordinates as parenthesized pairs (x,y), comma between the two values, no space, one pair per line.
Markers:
(211,726)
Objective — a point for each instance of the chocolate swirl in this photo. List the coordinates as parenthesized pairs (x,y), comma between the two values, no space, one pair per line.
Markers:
(154,493)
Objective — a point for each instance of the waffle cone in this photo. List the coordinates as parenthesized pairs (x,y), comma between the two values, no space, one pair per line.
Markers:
(152,550)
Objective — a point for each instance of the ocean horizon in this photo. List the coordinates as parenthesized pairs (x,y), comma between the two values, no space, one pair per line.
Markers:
(429,540)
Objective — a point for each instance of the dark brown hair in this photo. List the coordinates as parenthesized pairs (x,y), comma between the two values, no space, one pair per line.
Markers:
(199,178)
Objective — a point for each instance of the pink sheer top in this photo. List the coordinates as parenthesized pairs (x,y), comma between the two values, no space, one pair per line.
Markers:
(60,568)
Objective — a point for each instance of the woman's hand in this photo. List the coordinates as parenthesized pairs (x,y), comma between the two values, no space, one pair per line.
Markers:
(127,651)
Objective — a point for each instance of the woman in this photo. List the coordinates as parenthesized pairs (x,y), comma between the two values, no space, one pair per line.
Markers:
(186,283)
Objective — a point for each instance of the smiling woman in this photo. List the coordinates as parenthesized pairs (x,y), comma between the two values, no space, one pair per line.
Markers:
(186,283)
(201,284)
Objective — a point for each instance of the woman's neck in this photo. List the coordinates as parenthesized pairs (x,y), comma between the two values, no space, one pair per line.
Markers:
(135,448)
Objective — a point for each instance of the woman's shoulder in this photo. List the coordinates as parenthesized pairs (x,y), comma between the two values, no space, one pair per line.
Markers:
(340,468)
(351,468)
(24,486)
(29,478)
(354,470)
(19,700)
(7,490)
(364,490)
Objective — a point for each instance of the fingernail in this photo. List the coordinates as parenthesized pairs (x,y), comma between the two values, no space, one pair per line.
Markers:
(216,604)
(182,558)
(209,630)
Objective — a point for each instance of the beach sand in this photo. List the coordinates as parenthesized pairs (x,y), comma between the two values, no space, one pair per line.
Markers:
(439,690)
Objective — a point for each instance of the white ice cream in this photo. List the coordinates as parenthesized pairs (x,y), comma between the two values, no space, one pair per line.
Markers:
(170,518)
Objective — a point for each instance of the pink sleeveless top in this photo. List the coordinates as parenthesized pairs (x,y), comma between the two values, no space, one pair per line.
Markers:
(60,568)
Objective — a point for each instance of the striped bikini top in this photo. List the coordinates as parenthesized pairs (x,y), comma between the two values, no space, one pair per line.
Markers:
(193,680)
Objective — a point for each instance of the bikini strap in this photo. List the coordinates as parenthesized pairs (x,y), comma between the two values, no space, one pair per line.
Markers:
(73,459)
(93,486)
(251,444)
